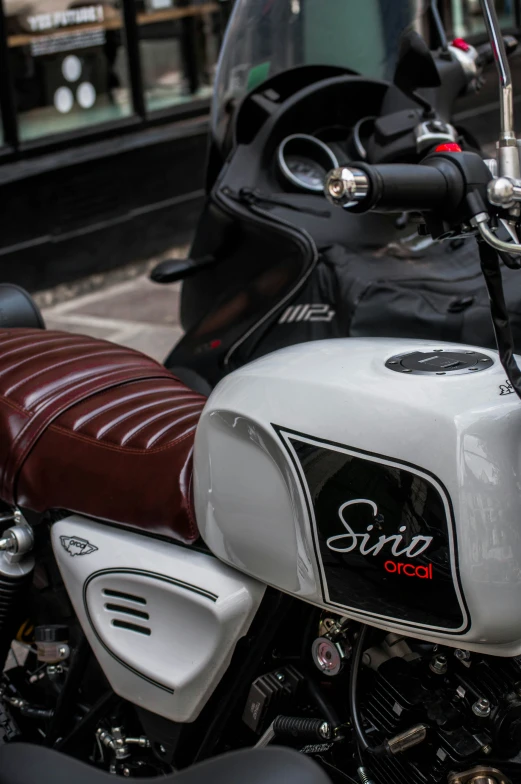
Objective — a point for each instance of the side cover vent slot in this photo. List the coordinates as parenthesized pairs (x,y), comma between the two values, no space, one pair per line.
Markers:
(118,608)
(122,609)
(129,597)
(132,627)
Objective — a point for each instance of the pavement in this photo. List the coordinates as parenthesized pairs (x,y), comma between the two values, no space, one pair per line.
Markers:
(134,312)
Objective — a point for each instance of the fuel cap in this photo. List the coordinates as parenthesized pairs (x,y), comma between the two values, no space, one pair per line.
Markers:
(439,362)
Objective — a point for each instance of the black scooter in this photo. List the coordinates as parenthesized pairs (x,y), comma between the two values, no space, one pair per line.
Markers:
(272,264)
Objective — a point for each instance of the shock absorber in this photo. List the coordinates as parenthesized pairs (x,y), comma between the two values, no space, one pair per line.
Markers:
(16,567)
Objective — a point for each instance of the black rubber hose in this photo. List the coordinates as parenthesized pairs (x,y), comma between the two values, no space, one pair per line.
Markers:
(323,704)
(361,738)
(491,270)
(358,650)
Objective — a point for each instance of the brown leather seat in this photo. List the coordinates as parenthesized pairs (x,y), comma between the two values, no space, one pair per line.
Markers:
(95,428)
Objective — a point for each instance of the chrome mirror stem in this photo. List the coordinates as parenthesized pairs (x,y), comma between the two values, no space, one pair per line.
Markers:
(508,154)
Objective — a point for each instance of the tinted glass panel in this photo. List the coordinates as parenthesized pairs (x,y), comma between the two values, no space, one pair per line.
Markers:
(468,18)
(267,37)
(179,42)
(69,65)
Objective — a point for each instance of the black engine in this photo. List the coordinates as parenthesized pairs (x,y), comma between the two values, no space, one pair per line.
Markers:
(470,704)
(428,714)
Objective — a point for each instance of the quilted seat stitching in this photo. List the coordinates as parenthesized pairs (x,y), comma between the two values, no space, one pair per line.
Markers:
(63,337)
(31,358)
(86,419)
(159,436)
(160,415)
(67,381)
(49,410)
(14,405)
(61,392)
(129,414)
(125,450)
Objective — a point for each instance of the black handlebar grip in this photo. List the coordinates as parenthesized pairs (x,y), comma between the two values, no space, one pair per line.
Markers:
(406,187)
(397,187)
(486,53)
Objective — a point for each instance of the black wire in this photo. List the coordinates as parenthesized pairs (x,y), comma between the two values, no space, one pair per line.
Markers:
(491,269)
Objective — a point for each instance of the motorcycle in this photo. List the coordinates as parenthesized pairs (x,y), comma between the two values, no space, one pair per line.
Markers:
(299,92)
(323,555)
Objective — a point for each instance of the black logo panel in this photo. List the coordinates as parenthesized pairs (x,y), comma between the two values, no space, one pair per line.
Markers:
(384,535)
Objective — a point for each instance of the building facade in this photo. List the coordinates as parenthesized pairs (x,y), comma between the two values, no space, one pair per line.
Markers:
(103,126)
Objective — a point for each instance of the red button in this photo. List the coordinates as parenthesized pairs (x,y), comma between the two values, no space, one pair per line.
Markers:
(460,43)
(448,147)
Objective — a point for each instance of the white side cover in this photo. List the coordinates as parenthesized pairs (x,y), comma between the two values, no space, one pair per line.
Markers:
(162,620)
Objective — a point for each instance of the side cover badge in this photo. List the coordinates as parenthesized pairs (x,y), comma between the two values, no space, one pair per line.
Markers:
(76,546)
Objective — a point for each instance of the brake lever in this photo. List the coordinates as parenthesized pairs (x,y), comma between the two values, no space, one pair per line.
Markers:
(481,222)
(510,230)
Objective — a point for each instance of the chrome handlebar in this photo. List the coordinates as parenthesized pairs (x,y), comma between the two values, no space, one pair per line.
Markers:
(350,186)
(508,156)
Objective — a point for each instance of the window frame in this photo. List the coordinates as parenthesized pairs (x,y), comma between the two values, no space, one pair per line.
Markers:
(11,146)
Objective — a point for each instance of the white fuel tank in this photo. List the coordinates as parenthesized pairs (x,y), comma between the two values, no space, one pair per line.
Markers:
(379,478)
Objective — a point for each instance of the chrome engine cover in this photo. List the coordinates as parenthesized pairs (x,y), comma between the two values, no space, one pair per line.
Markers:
(384,486)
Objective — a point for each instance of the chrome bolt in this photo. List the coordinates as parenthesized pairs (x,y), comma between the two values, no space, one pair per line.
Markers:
(501,192)
(486,749)
(336,188)
(438,665)
(126,772)
(325,730)
(280,677)
(346,185)
(462,655)
(481,708)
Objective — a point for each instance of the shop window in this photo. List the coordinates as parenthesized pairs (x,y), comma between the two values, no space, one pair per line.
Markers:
(467,16)
(68,64)
(179,43)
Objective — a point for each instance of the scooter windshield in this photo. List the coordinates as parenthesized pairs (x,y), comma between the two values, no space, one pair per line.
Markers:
(266,37)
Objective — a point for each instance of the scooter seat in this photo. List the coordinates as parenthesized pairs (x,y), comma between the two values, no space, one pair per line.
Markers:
(91,427)
(21,763)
